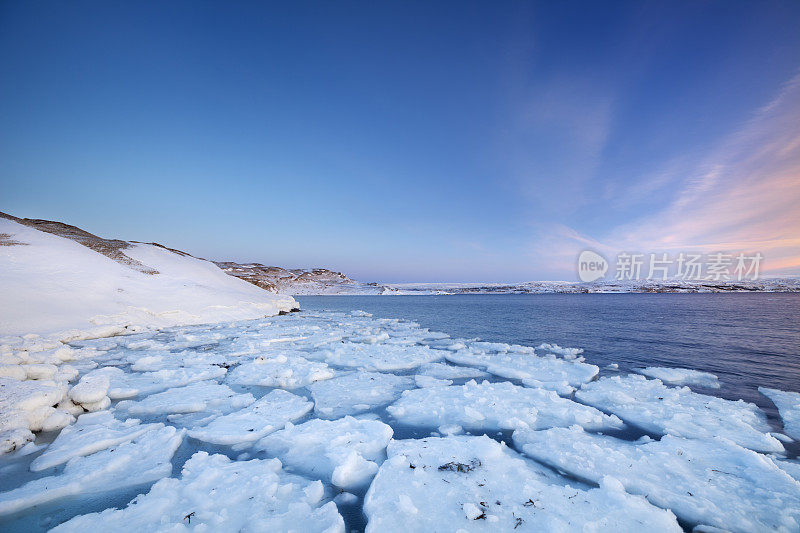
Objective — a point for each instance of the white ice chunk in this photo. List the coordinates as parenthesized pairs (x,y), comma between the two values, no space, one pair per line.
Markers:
(220,495)
(143,460)
(445,371)
(289,372)
(259,419)
(477,484)
(131,384)
(566,353)
(788,404)
(385,357)
(90,389)
(549,371)
(651,405)
(345,451)
(200,396)
(91,433)
(356,393)
(713,482)
(681,376)
(427,381)
(493,406)
(25,406)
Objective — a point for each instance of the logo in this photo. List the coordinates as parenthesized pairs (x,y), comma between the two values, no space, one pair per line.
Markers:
(591,266)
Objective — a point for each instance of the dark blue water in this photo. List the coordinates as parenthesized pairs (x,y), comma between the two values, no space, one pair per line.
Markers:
(748,340)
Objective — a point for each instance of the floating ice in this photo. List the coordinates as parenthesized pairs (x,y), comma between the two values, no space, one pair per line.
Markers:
(492,406)
(91,433)
(547,371)
(681,376)
(427,381)
(713,482)
(356,393)
(289,372)
(90,389)
(379,357)
(217,494)
(566,353)
(130,384)
(654,407)
(788,404)
(201,396)
(25,407)
(477,484)
(345,451)
(259,419)
(445,371)
(143,460)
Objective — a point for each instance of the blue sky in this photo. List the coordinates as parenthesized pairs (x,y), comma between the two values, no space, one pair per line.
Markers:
(408,141)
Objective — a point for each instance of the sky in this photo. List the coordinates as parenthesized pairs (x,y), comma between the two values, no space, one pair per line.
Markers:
(409,141)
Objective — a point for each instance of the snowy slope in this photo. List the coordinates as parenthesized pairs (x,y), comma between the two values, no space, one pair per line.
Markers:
(50,284)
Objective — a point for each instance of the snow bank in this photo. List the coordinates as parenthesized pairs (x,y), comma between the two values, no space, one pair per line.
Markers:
(346,451)
(143,460)
(261,418)
(681,376)
(649,404)
(491,406)
(357,392)
(57,287)
(217,494)
(713,482)
(788,404)
(478,484)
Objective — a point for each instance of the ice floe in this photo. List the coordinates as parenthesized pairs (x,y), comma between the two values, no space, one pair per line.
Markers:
(492,406)
(654,407)
(681,376)
(286,371)
(91,433)
(547,371)
(788,404)
(379,357)
(445,371)
(205,395)
(346,451)
(477,484)
(217,494)
(356,393)
(268,414)
(713,482)
(131,384)
(144,459)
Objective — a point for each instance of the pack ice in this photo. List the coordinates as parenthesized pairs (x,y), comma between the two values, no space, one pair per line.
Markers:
(681,376)
(788,404)
(662,410)
(711,482)
(489,406)
(477,484)
(217,494)
(345,451)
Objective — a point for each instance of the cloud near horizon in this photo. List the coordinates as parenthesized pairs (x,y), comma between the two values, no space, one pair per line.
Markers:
(742,197)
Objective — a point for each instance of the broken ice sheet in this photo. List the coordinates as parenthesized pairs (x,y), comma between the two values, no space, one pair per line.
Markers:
(217,494)
(477,484)
(345,451)
(356,393)
(788,404)
(654,407)
(255,421)
(495,406)
(201,396)
(286,371)
(144,459)
(713,482)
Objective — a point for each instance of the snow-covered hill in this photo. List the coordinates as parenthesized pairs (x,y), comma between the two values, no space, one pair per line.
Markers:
(58,280)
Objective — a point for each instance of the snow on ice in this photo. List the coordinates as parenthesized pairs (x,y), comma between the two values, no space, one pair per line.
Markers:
(356,393)
(489,406)
(217,494)
(713,482)
(477,484)
(654,407)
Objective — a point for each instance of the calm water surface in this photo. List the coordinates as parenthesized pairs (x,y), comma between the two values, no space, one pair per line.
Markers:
(748,340)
